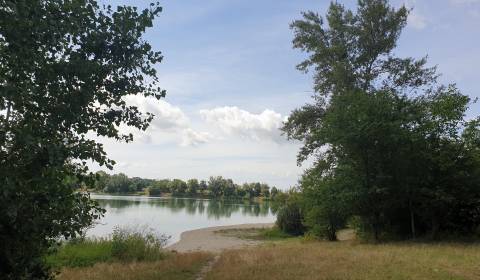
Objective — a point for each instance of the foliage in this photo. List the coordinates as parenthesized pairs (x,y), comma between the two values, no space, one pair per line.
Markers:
(125,244)
(66,70)
(390,144)
(84,252)
(325,203)
(290,218)
(216,187)
(137,244)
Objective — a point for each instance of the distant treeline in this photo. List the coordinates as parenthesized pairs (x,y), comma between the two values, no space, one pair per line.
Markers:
(215,187)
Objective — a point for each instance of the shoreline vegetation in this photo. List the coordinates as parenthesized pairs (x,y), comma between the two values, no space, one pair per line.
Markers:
(274,255)
(215,188)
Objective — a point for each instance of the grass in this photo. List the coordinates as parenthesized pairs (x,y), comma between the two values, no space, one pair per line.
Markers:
(265,234)
(128,254)
(297,259)
(174,267)
(125,244)
(82,253)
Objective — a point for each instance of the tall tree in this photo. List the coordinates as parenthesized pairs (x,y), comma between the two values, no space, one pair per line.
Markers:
(65,68)
(377,119)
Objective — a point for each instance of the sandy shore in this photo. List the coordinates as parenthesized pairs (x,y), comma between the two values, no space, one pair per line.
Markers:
(205,239)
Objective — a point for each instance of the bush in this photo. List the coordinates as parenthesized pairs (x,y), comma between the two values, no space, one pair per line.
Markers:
(125,244)
(137,244)
(289,219)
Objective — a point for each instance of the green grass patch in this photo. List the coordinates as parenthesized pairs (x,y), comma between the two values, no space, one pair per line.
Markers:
(267,234)
(81,253)
(124,245)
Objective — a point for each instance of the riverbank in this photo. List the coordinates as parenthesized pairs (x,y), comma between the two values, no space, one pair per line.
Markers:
(210,240)
(236,252)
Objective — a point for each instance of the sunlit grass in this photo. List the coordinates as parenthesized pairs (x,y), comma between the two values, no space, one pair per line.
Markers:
(294,259)
(173,267)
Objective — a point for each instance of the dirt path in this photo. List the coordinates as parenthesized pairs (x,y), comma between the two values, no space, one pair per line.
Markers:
(201,275)
(206,239)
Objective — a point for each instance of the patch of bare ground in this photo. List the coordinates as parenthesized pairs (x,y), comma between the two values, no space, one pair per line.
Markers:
(208,239)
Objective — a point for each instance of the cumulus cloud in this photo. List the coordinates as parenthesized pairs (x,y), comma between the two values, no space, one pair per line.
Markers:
(191,137)
(168,118)
(235,121)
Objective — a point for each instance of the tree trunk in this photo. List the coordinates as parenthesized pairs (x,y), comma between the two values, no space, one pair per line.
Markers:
(412,219)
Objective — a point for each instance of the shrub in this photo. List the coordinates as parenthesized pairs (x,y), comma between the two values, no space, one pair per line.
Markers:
(137,244)
(289,219)
(125,244)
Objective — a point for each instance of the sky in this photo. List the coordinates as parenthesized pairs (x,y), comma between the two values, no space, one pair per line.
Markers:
(230,76)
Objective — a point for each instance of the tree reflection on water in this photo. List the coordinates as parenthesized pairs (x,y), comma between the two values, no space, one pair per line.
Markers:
(213,208)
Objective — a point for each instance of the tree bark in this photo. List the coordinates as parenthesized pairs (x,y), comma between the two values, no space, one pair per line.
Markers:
(412,219)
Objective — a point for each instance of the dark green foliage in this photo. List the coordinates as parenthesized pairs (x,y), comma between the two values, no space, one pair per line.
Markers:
(217,187)
(326,203)
(65,67)
(290,219)
(391,146)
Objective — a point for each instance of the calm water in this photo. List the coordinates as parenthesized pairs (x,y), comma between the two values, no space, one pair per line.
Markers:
(172,216)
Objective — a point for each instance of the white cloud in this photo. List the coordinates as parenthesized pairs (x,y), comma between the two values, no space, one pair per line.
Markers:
(168,119)
(167,116)
(191,137)
(234,121)
(415,19)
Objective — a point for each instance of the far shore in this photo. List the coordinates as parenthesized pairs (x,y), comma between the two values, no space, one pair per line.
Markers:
(169,195)
(206,239)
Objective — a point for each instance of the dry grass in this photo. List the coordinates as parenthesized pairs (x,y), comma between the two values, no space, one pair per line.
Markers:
(177,266)
(297,259)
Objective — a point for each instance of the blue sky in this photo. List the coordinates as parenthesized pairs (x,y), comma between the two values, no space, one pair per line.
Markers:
(229,71)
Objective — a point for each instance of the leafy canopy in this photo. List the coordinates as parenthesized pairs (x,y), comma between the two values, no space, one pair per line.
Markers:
(65,70)
(386,137)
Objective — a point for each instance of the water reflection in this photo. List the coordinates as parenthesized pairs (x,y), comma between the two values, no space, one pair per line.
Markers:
(214,208)
(172,216)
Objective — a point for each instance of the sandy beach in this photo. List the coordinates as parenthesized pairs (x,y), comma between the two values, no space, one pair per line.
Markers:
(205,239)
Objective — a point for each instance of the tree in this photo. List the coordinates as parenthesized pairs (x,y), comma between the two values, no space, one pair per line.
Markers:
(326,202)
(265,190)
(382,122)
(101,180)
(118,183)
(177,187)
(273,192)
(229,188)
(193,187)
(216,186)
(203,186)
(65,68)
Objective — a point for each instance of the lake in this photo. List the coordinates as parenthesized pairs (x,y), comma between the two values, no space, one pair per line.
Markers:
(172,216)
